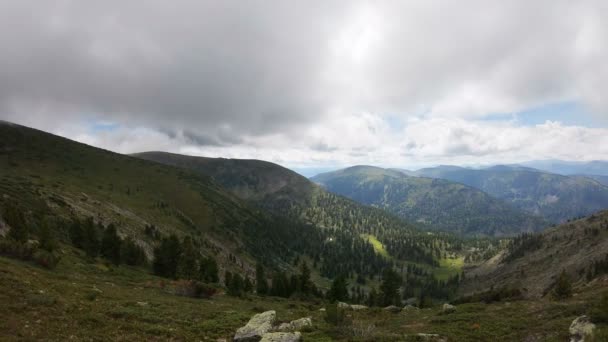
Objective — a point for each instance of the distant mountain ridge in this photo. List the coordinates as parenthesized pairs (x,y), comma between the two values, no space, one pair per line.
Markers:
(552,196)
(444,204)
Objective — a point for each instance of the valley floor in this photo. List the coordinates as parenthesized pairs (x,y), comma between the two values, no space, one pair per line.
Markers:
(94,302)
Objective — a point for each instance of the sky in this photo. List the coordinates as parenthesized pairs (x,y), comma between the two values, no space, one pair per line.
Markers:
(313,85)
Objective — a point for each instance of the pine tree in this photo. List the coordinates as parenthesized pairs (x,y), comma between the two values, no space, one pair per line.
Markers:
(389,288)
(131,254)
(247,285)
(187,267)
(46,239)
(563,287)
(14,217)
(338,290)
(90,241)
(209,270)
(110,245)
(260,280)
(166,257)
(304,283)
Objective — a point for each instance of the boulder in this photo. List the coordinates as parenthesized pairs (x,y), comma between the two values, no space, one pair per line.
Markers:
(410,301)
(282,337)
(409,308)
(345,306)
(447,308)
(297,324)
(393,309)
(257,326)
(581,327)
(356,307)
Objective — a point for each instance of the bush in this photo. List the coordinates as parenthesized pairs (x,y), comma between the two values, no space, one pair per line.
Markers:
(194,289)
(599,312)
(563,287)
(15,249)
(334,315)
(45,258)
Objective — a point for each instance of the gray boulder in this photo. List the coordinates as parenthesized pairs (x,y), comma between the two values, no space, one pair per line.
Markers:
(297,324)
(409,308)
(393,309)
(345,306)
(411,301)
(356,307)
(447,308)
(282,337)
(581,327)
(257,326)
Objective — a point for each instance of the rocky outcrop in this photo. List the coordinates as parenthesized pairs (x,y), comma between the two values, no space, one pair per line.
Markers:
(410,308)
(581,327)
(257,326)
(282,337)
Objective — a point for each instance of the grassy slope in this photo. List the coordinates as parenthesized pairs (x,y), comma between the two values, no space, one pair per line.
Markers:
(84,301)
(446,205)
(571,247)
(46,173)
(554,197)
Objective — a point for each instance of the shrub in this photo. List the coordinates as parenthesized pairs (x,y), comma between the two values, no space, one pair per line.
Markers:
(563,287)
(334,315)
(599,312)
(45,258)
(194,289)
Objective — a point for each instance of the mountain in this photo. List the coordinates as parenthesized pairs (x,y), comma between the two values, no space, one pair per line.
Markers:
(47,176)
(554,197)
(532,263)
(440,203)
(283,191)
(595,167)
(600,179)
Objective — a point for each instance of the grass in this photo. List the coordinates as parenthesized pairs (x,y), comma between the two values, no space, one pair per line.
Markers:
(448,268)
(91,301)
(378,246)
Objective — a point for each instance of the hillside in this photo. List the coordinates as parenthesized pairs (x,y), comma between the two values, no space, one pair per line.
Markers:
(54,179)
(554,197)
(594,167)
(439,203)
(533,263)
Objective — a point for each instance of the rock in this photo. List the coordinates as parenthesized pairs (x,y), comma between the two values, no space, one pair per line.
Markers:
(297,324)
(342,305)
(410,301)
(431,337)
(356,307)
(281,337)
(393,309)
(257,326)
(322,309)
(581,327)
(447,308)
(409,308)
(301,323)
(142,303)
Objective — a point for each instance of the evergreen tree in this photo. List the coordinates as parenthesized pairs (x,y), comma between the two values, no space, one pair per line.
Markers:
(247,285)
(209,271)
(46,240)
(261,282)
(13,216)
(76,234)
(338,290)
(372,299)
(305,284)
(235,287)
(389,288)
(90,242)
(166,257)
(131,254)
(187,267)
(563,287)
(110,245)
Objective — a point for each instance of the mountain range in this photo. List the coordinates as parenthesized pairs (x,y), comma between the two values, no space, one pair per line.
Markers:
(440,203)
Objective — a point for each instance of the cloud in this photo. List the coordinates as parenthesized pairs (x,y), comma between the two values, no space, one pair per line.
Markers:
(307,82)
